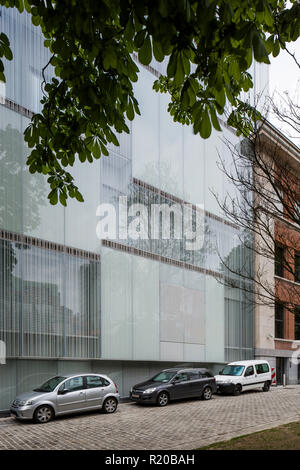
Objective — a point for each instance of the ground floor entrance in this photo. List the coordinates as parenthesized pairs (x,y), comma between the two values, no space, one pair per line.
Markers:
(280,370)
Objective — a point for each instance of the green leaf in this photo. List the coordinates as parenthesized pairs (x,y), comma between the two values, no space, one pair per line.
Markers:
(157,51)
(140,38)
(276,48)
(130,111)
(8,54)
(220,97)
(205,125)
(53,197)
(145,52)
(172,64)
(78,196)
(214,118)
(96,149)
(36,20)
(259,49)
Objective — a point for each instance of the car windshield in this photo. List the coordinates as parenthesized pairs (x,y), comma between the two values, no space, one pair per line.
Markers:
(164,376)
(50,385)
(233,370)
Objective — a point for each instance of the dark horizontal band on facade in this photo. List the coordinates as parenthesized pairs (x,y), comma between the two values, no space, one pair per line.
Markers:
(147,67)
(181,201)
(156,257)
(59,248)
(9,104)
(39,243)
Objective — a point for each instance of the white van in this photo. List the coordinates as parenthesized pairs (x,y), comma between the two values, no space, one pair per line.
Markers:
(241,376)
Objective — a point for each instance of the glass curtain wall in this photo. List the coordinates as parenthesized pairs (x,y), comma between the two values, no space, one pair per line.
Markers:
(50,264)
(172,167)
(49,302)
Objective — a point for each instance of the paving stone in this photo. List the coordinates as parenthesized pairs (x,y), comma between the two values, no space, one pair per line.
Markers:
(181,425)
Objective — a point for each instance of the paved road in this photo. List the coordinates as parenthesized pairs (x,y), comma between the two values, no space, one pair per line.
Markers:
(181,425)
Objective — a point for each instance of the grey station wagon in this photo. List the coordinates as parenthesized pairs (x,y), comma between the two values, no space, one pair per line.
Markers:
(67,394)
(174,384)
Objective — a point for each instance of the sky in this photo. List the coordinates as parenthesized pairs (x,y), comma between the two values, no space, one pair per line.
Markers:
(284,75)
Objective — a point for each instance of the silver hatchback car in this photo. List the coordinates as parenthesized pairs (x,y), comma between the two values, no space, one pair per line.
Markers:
(67,394)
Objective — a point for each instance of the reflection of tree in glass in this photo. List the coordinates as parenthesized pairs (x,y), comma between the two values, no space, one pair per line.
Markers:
(172,247)
(21,195)
(238,263)
(19,190)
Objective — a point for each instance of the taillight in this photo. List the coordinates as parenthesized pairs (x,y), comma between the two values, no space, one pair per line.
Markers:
(117,391)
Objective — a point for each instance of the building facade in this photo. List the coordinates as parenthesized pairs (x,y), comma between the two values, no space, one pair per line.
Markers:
(71,302)
(277,324)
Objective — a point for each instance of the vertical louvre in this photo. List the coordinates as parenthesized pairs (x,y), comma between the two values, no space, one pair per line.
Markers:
(10,296)
(49,301)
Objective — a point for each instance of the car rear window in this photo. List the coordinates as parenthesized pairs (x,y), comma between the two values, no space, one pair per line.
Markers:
(262,368)
(194,375)
(206,374)
(93,381)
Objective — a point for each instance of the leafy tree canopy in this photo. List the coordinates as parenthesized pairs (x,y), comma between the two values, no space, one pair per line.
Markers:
(209,44)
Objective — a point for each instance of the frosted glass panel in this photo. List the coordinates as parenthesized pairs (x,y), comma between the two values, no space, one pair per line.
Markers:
(214,320)
(194,167)
(213,175)
(171,351)
(8,380)
(145,291)
(40,218)
(194,352)
(82,307)
(171,313)
(10,296)
(43,315)
(73,367)
(24,72)
(194,316)
(116,295)
(171,151)
(31,374)
(145,131)
(11,170)
(80,218)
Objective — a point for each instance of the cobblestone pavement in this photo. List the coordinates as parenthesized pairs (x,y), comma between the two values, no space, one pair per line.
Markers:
(181,425)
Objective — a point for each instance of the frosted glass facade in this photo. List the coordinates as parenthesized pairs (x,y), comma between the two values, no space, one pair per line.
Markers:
(126,307)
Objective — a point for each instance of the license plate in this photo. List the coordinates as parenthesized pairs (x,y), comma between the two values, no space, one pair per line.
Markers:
(134,395)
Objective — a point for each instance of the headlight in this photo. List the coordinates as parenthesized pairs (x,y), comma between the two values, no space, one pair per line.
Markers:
(25,403)
(150,390)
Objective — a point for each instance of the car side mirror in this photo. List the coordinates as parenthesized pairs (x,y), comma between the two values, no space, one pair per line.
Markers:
(63,391)
(220,372)
(174,381)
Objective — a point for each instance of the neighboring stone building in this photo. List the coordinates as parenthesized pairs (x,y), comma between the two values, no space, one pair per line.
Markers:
(277,326)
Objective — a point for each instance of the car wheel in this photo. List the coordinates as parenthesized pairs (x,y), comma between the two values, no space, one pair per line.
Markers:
(110,405)
(163,399)
(266,387)
(237,390)
(43,414)
(207,393)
